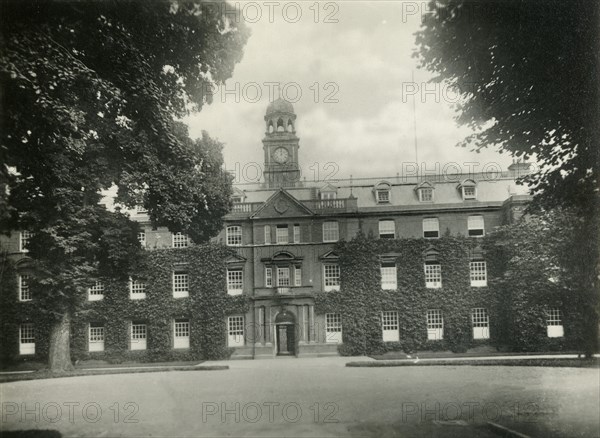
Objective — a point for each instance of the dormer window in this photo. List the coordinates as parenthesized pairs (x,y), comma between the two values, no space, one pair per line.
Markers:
(328,192)
(237,197)
(383,193)
(328,195)
(468,189)
(425,192)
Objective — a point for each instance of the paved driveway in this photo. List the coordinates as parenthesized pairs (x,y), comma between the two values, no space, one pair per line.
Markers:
(311,397)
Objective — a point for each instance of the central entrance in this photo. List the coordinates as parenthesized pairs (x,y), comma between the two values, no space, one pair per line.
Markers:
(285,330)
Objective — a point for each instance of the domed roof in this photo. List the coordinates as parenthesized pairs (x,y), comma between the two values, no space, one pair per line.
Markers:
(280,106)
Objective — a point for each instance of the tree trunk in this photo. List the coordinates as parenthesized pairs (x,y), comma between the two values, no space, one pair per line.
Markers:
(59,355)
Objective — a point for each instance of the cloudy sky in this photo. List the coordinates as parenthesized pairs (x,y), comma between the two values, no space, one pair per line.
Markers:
(353,66)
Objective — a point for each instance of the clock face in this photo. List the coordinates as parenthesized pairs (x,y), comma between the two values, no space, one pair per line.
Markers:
(280,155)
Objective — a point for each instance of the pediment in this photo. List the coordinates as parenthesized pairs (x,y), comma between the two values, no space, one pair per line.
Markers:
(281,204)
(329,255)
(235,259)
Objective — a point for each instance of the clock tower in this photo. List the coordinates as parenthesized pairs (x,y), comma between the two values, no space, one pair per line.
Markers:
(281,145)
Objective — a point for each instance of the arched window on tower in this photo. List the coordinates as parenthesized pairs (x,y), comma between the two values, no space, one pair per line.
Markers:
(280,126)
(270,127)
(290,126)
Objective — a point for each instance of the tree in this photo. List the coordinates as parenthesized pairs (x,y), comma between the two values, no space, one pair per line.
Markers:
(91,97)
(527,72)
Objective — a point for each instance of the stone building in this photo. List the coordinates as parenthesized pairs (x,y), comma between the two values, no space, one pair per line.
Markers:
(284,232)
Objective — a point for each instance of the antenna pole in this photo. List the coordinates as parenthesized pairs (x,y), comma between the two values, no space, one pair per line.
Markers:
(415,123)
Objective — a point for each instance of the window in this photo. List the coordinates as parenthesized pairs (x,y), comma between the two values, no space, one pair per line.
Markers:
(96,292)
(235,331)
(96,337)
(235,281)
(138,336)
(137,289)
(140,209)
(435,325)
(180,285)
(236,199)
(389,326)
(481,323)
(181,333)
(297,276)
(433,275)
(431,228)
(328,195)
(24,291)
(331,232)
(469,192)
(331,277)
(24,237)
(142,238)
(388,276)
(281,234)
(180,240)
(267,234)
(26,339)
(296,233)
(333,328)
(283,277)
(234,235)
(476,226)
(554,323)
(383,196)
(478,273)
(387,229)
(426,194)
(268,277)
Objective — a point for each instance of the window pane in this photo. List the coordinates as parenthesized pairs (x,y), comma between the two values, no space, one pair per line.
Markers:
(478,273)
(283,277)
(234,235)
(331,275)
(431,227)
(387,229)
(282,234)
(476,226)
(330,232)
(433,275)
(180,240)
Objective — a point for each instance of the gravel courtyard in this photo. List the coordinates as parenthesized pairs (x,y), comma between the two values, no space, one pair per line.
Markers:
(311,397)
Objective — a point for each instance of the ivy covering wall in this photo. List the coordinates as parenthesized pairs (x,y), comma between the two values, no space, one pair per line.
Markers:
(206,308)
(513,311)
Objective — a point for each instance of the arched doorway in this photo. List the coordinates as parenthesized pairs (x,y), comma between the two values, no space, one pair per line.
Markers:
(285,333)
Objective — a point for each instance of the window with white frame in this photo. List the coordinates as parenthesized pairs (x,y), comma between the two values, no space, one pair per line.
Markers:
(433,275)
(478,273)
(389,326)
(281,234)
(469,192)
(24,291)
(431,228)
(331,232)
(331,276)
(24,237)
(389,277)
(137,289)
(296,233)
(435,325)
(268,277)
(234,235)
(180,240)
(333,328)
(387,229)
(328,195)
(235,331)
(297,276)
(96,337)
(180,284)
(139,335)
(26,339)
(181,333)
(283,277)
(140,209)
(383,195)
(268,234)
(235,281)
(554,323)
(476,226)
(96,292)
(481,323)
(142,238)
(426,194)
(236,199)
